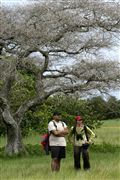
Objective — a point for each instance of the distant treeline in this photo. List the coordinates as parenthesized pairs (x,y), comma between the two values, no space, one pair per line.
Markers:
(92,111)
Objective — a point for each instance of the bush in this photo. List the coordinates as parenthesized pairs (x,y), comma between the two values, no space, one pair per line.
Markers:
(105,148)
(36,150)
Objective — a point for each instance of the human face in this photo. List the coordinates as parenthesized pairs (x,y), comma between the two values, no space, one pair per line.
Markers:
(57,117)
(79,123)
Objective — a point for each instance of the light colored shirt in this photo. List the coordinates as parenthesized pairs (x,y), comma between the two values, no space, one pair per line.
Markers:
(80,130)
(55,140)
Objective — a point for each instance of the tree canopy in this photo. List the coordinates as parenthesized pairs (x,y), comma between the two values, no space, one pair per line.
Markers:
(58,45)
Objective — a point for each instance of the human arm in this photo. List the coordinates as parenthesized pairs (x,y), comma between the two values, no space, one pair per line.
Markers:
(59,133)
(52,127)
(91,135)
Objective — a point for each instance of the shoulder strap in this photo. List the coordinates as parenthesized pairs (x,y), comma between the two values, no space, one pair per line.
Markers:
(54,124)
(73,131)
(62,123)
(86,134)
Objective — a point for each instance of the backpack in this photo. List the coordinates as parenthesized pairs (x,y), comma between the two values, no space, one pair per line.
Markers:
(45,140)
(45,143)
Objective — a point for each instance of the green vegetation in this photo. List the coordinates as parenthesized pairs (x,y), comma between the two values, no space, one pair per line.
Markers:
(109,132)
(104,157)
(92,110)
(104,166)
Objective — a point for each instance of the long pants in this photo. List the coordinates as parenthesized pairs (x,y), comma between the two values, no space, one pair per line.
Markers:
(78,150)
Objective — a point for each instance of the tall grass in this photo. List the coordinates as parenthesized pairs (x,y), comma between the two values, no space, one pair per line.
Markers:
(104,158)
(109,132)
(103,167)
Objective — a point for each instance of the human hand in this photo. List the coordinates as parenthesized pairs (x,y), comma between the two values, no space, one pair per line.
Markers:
(89,142)
(65,131)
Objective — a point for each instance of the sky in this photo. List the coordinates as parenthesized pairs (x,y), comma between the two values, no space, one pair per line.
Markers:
(115,53)
(13,2)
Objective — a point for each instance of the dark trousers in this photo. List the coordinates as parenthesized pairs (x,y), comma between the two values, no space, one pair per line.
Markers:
(78,150)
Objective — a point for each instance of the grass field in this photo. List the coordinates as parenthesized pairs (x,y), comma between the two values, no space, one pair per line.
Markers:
(109,132)
(104,165)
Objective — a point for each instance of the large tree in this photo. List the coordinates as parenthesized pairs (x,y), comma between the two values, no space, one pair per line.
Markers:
(67,38)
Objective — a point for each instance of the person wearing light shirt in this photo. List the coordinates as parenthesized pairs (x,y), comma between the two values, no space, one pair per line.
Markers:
(58,130)
(82,137)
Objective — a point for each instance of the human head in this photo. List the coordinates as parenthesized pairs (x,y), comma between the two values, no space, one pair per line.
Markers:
(56,116)
(79,120)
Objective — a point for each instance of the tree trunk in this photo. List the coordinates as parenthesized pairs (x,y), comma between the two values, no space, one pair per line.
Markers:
(14,140)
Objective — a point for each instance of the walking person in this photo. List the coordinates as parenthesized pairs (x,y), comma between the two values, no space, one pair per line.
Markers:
(82,137)
(57,142)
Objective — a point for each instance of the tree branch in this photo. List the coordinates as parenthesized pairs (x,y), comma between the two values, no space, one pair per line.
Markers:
(8,84)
